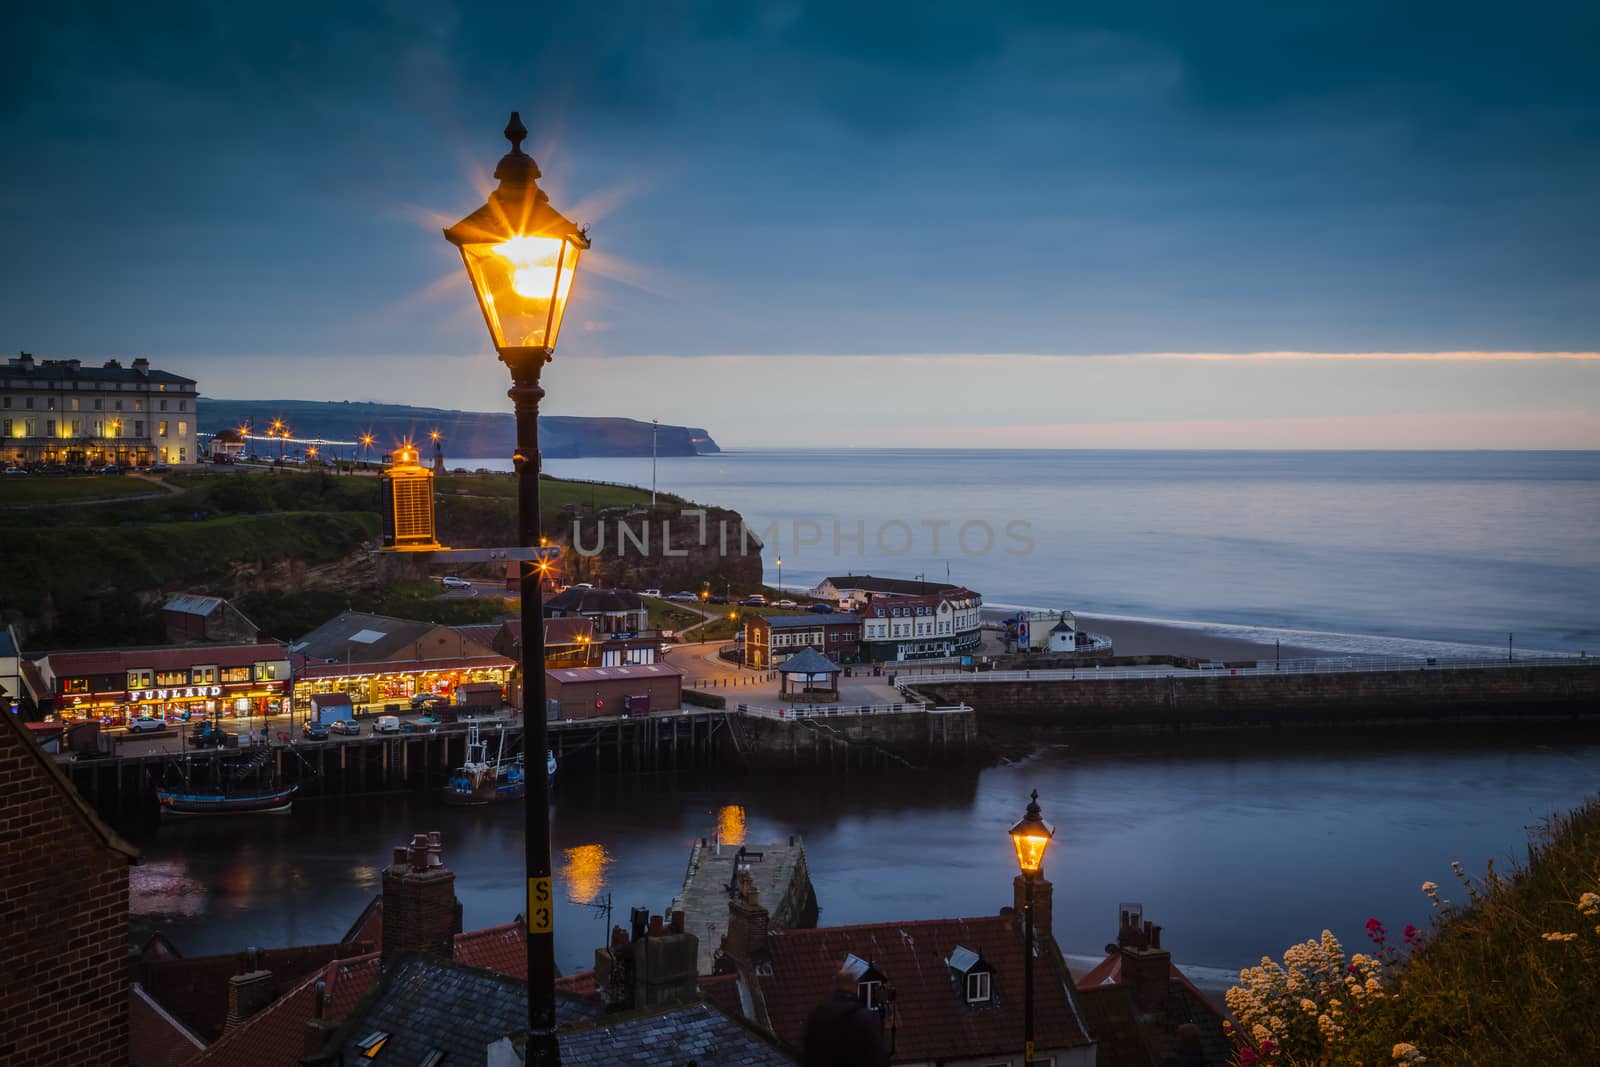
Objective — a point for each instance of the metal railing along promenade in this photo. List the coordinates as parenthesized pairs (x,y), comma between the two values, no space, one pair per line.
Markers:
(828,711)
(1321,665)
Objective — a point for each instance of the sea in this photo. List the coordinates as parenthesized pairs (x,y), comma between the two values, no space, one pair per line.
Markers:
(1369,553)
(1239,844)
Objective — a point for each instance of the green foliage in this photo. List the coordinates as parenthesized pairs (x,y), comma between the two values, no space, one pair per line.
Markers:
(39,490)
(287,615)
(1510,975)
(420,600)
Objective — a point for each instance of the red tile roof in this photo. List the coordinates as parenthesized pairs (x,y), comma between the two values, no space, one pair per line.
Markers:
(495,948)
(934,1020)
(582,983)
(155,1038)
(274,1037)
(160,658)
(563,631)
(1109,972)
(480,633)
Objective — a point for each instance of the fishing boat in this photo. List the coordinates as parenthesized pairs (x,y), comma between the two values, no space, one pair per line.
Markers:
(246,788)
(180,802)
(482,779)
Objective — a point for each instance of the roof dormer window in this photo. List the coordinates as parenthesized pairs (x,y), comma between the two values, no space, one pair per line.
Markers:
(977,987)
(973,974)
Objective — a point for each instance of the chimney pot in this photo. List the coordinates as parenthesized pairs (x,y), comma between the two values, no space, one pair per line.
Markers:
(401,855)
(677,921)
(655,926)
(435,849)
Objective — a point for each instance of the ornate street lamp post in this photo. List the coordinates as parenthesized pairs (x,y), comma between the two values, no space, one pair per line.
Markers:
(1030,836)
(521,255)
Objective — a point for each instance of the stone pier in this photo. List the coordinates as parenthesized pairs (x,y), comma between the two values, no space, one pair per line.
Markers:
(778,872)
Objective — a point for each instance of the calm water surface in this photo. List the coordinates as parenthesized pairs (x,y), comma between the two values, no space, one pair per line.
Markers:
(1380,547)
(1239,848)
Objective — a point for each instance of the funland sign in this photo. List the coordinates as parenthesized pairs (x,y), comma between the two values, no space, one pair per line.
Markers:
(189,692)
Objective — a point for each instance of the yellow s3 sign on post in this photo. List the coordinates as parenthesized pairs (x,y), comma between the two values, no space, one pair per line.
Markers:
(541,916)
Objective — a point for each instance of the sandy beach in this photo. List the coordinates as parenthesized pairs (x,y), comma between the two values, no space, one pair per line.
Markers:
(1138,637)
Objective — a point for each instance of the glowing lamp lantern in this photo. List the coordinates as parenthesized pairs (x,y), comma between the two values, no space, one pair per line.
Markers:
(1031,836)
(521,255)
(407,503)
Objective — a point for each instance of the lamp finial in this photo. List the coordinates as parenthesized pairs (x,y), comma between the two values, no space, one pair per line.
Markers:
(516,131)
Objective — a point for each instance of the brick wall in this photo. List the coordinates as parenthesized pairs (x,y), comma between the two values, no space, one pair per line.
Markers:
(64,937)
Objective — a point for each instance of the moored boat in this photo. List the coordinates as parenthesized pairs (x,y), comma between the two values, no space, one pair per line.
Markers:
(180,802)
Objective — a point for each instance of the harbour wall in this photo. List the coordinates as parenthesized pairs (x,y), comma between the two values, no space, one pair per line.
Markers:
(1215,700)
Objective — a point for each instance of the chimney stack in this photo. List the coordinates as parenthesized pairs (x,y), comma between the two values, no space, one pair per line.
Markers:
(1146,966)
(248,993)
(745,943)
(420,909)
(659,964)
(319,1027)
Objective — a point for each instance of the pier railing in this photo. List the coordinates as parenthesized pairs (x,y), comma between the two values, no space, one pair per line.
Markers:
(828,711)
(1320,665)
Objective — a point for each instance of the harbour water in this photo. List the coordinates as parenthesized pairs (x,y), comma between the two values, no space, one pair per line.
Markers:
(1374,551)
(1239,846)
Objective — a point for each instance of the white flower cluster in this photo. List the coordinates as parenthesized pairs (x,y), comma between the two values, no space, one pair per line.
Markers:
(1304,1005)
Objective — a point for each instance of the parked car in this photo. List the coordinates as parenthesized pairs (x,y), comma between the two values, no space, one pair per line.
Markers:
(754,600)
(144,723)
(163,468)
(427,700)
(111,468)
(16,472)
(450,582)
(583,585)
(820,608)
(648,592)
(785,604)
(344,726)
(717,600)
(427,720)
(683,594)
(314,731)
(386,724)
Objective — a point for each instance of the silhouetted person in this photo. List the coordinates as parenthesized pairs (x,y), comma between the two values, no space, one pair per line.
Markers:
(842,1033)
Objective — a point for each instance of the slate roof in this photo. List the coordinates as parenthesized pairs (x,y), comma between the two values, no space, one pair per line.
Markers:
(576,600)
(428,1004)
(8,641)
(808,661)
(934,1020)
(698,1033)
(60,370)
(809,619)
(483,633)
(899,586)
(379,637)
(193,604)
(155,1037)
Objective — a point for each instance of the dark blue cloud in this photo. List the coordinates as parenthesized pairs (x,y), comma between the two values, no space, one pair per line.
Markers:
(823,176)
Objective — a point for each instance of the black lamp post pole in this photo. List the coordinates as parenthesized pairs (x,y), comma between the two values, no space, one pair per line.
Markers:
(1027,970)
(525,395)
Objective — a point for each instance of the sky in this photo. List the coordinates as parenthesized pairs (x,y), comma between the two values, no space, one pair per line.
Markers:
(1254,225)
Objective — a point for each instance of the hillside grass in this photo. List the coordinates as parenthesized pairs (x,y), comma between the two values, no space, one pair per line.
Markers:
(1490,986)
(36,490)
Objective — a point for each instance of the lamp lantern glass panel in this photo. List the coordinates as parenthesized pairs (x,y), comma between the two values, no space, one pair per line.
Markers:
(522,284)
(1030,837)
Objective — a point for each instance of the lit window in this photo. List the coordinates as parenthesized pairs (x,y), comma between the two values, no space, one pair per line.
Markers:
(266,672)
(183,428)
(75,685)
(161,428)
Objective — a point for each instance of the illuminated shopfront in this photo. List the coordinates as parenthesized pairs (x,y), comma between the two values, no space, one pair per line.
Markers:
(174,683)
(397,681)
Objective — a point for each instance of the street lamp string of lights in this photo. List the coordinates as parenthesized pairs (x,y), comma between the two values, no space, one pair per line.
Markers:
(521,256)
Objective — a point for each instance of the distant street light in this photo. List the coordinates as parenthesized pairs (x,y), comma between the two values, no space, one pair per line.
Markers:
(1030,837)
(780,575)
(521,255)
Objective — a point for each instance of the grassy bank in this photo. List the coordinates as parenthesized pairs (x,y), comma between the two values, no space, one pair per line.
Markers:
(37,490)
(1508,973)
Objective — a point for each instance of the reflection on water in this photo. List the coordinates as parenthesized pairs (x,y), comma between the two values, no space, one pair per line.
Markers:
(1239,846)
(730,824)
(584,872)
(164,888)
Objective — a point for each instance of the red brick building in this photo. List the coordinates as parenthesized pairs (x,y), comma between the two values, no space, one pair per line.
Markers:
(610,692)
(64,937)
(771,639)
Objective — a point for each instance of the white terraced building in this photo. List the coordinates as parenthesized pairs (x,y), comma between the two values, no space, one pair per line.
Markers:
(59,411)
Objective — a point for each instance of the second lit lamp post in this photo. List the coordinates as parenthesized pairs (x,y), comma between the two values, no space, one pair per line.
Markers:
(1030,837)
(521,255)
